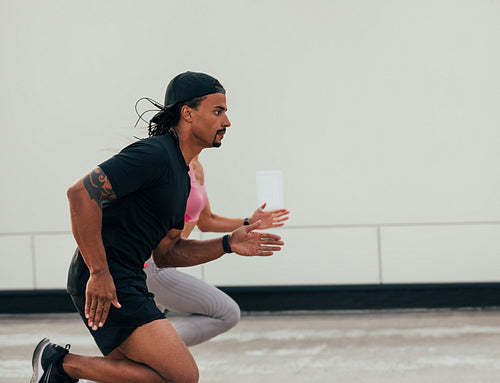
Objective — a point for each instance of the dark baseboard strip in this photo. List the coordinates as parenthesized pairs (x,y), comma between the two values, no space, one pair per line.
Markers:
(35,301)
(366,297)
(292,298)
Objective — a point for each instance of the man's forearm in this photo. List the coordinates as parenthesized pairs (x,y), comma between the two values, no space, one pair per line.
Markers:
(174,251)
(189,252)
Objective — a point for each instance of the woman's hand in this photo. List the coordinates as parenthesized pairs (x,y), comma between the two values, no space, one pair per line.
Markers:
(271,218)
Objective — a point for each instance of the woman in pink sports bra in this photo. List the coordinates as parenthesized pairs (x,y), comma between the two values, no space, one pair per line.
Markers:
(209,310)
(197,199)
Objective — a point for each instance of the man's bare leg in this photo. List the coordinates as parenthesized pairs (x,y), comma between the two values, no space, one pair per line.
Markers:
(154,353)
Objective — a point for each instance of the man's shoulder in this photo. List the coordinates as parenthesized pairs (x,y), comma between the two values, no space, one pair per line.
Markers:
(152,146)
(164,141)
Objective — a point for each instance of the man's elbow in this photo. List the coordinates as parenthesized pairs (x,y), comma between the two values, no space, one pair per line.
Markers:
(161,261)
(73,191)
(70,192)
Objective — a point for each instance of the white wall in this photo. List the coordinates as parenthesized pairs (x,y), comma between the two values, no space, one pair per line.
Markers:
(382,116)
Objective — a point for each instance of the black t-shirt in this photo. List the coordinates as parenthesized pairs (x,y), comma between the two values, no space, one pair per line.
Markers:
(151,182)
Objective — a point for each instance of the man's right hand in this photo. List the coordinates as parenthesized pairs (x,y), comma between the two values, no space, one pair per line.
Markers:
(245,241)
(99,296)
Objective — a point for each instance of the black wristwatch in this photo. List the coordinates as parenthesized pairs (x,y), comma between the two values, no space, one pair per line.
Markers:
(225,244)
(246,222)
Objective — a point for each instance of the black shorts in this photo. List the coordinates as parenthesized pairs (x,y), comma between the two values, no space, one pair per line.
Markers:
(138,308)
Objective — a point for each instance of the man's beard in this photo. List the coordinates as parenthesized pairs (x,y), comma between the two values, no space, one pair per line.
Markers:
(216,143)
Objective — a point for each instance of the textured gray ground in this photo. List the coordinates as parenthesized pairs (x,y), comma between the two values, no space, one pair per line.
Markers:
(368,347)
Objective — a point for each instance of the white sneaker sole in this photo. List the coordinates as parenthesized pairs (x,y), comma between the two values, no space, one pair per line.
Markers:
(36,362)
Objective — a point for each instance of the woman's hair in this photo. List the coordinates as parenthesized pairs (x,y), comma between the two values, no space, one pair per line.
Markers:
(165,121)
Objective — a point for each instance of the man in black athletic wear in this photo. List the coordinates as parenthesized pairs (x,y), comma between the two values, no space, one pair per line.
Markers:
(119,216)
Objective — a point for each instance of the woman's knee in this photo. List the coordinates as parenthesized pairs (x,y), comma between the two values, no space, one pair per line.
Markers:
(231,315)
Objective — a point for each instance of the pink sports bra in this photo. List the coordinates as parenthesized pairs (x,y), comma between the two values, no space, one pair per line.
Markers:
(197,199)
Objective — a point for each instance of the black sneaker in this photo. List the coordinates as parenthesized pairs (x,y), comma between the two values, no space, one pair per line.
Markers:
(47,363)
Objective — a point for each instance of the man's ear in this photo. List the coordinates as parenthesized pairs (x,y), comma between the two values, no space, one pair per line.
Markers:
(186,113)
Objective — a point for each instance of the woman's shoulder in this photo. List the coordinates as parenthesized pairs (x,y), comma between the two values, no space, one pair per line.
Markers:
(199,174)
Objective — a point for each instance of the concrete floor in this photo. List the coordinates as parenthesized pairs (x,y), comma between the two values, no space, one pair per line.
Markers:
(460,346)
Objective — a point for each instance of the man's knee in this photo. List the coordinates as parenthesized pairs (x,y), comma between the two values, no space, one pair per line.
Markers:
(158,346)
(186,375)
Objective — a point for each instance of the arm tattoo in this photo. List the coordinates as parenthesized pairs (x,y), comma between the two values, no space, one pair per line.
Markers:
(97,185)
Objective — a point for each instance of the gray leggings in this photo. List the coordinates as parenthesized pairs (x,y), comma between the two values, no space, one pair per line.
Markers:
(211,311)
